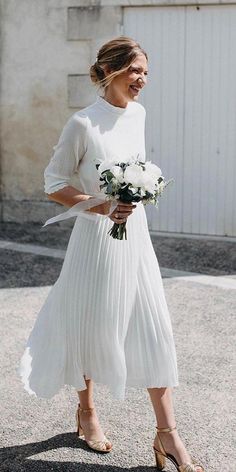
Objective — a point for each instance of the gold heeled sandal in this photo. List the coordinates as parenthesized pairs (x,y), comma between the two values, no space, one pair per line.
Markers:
(102,445)
(161,456)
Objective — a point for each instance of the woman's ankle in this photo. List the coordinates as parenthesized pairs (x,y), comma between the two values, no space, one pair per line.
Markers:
(86,406)
(86,396)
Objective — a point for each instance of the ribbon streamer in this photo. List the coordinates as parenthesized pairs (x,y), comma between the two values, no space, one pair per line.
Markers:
(97,199)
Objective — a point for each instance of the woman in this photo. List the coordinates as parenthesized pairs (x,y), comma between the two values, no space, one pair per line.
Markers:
(106,318)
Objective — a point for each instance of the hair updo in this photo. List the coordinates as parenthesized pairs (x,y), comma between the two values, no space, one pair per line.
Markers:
(118,54)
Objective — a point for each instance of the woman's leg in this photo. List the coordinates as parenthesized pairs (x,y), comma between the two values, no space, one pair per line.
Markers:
(89,419)
(86,396)
(162,403)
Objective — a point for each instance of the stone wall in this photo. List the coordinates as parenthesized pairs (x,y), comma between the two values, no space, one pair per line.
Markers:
(47,47)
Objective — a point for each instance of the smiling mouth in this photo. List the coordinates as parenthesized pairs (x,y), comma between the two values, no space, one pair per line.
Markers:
(135,88)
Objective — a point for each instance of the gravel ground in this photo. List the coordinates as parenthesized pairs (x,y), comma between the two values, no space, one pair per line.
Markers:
(38,434)
(19,269)
(196,255)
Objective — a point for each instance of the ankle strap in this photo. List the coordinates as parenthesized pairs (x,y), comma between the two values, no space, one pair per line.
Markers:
(165,430)
(85,410)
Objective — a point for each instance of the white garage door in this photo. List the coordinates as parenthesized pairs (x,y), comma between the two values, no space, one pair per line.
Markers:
(191,113)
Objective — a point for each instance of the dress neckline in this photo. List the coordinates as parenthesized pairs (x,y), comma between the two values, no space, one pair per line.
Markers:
(114,109)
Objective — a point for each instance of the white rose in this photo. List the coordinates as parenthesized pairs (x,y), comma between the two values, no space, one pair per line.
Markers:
(118,173)
(148,183)
(133,175)
(153,170)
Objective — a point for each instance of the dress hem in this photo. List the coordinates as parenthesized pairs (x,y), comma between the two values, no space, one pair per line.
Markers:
(119,396)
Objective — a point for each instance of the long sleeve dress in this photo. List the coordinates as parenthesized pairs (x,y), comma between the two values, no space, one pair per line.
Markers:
(106,317)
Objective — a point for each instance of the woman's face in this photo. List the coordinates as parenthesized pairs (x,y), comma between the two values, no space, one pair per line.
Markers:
(127,85)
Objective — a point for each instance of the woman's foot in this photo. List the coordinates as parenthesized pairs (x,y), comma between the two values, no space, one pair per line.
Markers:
(92,430)
(173,445)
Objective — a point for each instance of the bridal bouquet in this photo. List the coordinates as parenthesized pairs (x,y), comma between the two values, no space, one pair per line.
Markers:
(131,181)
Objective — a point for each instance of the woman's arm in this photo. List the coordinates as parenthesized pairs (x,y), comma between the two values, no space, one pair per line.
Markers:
(69,196)
(69,151)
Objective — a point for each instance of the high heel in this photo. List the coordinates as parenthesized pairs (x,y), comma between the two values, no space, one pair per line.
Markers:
(101,446)
(161,455)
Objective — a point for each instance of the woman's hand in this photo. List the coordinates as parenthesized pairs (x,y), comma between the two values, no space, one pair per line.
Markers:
(101,209)
(119,215)
(121,212)
(69,196)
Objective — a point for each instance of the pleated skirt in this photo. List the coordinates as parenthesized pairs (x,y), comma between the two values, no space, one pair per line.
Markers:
(105,318)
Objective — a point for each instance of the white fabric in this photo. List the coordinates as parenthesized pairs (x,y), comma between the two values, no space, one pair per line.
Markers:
(100,131)
(96,199)
(106,316)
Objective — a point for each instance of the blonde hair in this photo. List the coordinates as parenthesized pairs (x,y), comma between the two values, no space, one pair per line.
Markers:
(118,54)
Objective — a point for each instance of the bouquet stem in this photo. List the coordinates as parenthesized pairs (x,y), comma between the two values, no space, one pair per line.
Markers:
(118,231)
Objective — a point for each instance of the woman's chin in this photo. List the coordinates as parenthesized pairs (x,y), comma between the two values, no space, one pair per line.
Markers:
(134,99)
(133,94)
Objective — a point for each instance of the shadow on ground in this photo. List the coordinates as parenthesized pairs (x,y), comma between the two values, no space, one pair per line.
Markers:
(18,458)
(19,269)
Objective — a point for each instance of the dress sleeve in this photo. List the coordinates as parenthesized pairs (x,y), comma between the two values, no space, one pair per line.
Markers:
(68,152)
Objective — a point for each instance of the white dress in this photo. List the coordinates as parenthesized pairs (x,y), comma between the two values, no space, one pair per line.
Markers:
(106,317)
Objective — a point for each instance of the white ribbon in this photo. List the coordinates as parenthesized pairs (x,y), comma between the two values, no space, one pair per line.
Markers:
(97,199)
